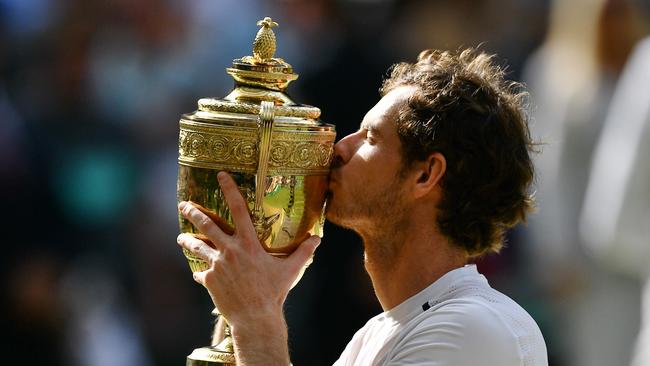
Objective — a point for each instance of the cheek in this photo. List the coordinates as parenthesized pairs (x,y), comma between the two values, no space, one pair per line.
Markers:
(364,154)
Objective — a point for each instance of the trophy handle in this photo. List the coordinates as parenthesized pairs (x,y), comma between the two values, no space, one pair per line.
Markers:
(264,132)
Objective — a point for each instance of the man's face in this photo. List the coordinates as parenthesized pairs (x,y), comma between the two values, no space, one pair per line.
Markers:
(365,182)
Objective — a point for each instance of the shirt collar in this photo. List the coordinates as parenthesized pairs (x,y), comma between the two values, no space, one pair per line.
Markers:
(412,306)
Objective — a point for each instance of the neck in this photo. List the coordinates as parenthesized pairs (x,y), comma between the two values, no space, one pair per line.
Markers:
(402,261)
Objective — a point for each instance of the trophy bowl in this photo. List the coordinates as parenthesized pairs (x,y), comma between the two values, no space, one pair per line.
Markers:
(277,151)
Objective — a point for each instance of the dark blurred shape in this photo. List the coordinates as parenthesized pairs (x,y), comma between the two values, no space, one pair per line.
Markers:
(33,315)
(621,24)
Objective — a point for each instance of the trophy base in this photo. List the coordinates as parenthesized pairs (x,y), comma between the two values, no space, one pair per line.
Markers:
(210,356)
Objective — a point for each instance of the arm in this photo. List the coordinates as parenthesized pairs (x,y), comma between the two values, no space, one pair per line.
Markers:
(246,284)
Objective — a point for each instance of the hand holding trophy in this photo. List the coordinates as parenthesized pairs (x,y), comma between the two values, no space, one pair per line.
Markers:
(239,230)
(238,261)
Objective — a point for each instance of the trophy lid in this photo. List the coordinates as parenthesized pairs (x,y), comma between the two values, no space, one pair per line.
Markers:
(262,69)
(261,77)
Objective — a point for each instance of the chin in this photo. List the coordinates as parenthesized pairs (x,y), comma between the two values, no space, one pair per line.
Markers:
(338,216)
(332,213)
(329,210)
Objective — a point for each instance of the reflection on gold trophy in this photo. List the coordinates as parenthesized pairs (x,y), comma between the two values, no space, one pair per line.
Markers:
(276,150)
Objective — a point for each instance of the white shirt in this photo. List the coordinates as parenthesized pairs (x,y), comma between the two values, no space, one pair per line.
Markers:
(466,323)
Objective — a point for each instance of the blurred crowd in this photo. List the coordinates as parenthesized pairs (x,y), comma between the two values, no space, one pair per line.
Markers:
(90,96)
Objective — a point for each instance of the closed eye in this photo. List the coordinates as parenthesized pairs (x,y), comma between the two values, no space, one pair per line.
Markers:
(370,137)
(370,132)
(373,135)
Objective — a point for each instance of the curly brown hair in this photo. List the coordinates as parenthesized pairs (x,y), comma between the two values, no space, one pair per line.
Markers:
(464,109)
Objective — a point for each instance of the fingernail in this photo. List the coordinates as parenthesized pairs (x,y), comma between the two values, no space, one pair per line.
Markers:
(182,205)
(221,176)
(179,239)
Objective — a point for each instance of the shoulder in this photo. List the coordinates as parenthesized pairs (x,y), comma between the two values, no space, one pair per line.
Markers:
(360,340)
(485,327)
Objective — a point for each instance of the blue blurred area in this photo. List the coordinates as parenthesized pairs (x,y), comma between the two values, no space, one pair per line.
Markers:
(90,96)
(94,186)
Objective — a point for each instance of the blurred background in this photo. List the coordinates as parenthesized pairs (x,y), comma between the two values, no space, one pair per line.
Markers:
(90,97)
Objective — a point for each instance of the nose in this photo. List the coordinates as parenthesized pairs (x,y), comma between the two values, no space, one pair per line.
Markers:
(346,147)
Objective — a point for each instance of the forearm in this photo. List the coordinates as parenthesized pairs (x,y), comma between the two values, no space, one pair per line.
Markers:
(262,341)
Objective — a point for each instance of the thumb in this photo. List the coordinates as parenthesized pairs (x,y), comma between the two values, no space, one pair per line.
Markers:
(200,277)
(305,250)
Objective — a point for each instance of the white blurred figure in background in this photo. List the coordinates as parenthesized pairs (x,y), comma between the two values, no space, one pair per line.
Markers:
(615,222)
(561,73)
(572,78)
(100,328)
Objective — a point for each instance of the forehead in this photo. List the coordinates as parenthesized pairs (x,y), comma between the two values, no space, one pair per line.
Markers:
(387,106)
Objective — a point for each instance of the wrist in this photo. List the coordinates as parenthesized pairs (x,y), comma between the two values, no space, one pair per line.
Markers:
(246,316)
(257,323)
(261,339)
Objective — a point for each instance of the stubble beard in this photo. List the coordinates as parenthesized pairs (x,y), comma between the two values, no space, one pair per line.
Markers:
(379,219)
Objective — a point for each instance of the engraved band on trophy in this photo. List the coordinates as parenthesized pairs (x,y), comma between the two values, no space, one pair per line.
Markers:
(277,151)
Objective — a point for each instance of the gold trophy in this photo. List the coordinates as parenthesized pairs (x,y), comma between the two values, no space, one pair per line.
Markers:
(277,151)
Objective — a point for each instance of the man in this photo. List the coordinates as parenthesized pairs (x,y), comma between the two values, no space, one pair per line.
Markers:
(439,169)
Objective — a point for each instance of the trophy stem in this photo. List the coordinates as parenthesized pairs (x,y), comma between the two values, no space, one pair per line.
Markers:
(226,343)
(220,354)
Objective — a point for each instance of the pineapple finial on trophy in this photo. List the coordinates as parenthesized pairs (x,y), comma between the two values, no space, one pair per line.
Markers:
(262,69)
(264,43)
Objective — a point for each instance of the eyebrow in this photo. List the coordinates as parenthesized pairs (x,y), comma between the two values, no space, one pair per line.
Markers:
(374,130)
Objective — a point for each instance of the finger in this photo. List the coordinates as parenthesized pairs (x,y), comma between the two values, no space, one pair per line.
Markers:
(197,247)
(303,253)
(203,222)
(203,279)
(237,205)
(200,277)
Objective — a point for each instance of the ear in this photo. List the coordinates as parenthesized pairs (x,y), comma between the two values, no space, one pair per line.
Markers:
(429,174)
